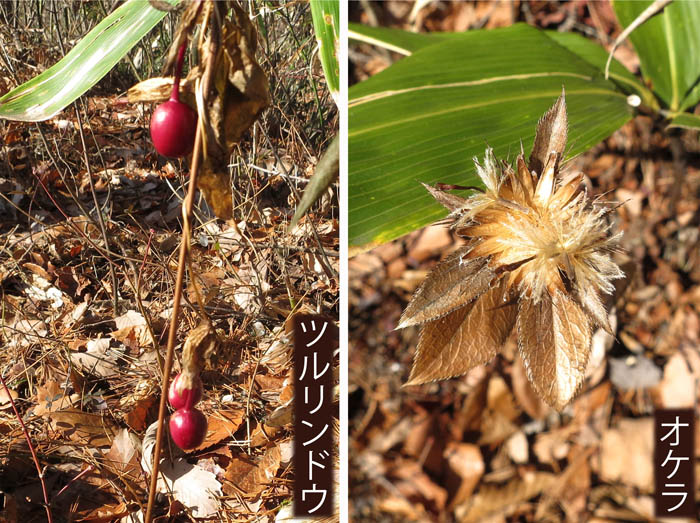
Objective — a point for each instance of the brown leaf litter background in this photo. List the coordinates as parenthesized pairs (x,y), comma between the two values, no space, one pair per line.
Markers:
(484,447)
(84,376)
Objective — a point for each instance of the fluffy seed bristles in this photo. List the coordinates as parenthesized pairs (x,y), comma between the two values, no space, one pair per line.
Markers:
(538,259)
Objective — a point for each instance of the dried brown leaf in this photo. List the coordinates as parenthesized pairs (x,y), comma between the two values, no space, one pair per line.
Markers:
(5,397)
(452,284)
(525,395)
(215,183)
(104,514)
(464,338)
(220,426)
(142,412)
(122,457)
(627,454)
(157,90)
(84,428)
(241,94)
(467,464)
(251,477)
(554,340)
(550,136)
(492,500)
(51,397)
(199,347)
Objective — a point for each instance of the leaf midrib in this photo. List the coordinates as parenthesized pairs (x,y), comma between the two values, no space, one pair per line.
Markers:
(380,95)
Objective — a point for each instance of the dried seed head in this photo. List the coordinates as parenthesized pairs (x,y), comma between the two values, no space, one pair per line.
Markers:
(538,258)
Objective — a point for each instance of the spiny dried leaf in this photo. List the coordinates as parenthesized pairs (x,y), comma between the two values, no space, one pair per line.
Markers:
(550,136)
(450,201)
(453,283)
(554,340)
(467,337)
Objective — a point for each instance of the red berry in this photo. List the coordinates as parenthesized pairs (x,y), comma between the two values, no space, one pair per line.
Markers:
(180,396)
(173,126)
(188,428)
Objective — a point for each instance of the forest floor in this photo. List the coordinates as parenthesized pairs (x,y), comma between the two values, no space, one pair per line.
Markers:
(484,447)
(84,321)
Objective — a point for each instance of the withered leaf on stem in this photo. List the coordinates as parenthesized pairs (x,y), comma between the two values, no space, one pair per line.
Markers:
(192,12)
(200,345)
(538,258)
(241,92)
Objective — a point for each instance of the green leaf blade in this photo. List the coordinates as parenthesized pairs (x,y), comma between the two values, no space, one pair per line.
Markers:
(423,119)
(402,42)
(597,56)
(668,46)
(88,62)
(326,19)
(685,121)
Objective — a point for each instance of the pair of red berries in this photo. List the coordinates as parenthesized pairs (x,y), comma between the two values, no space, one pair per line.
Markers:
(188,426)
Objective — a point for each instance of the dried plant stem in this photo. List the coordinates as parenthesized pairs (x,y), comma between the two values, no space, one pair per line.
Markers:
(179,278)
(100,219)
(49,518)
(172,333)
(76,478)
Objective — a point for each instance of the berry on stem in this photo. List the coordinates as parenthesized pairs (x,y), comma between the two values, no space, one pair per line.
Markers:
(184,391)
(188,428)
(174,123)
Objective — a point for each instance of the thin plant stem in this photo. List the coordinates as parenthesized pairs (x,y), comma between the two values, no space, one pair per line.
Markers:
(76,478)
(98,210)
(182,264)
(31,449)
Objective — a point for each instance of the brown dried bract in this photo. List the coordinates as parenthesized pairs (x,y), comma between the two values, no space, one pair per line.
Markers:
(538,259)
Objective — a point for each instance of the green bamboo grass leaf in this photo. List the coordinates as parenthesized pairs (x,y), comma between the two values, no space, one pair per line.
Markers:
(326,17)
(402,42)
(597,56)
(686,121)
(325,174)
(425,117)
(406,43)
(668,46)
(48,93)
